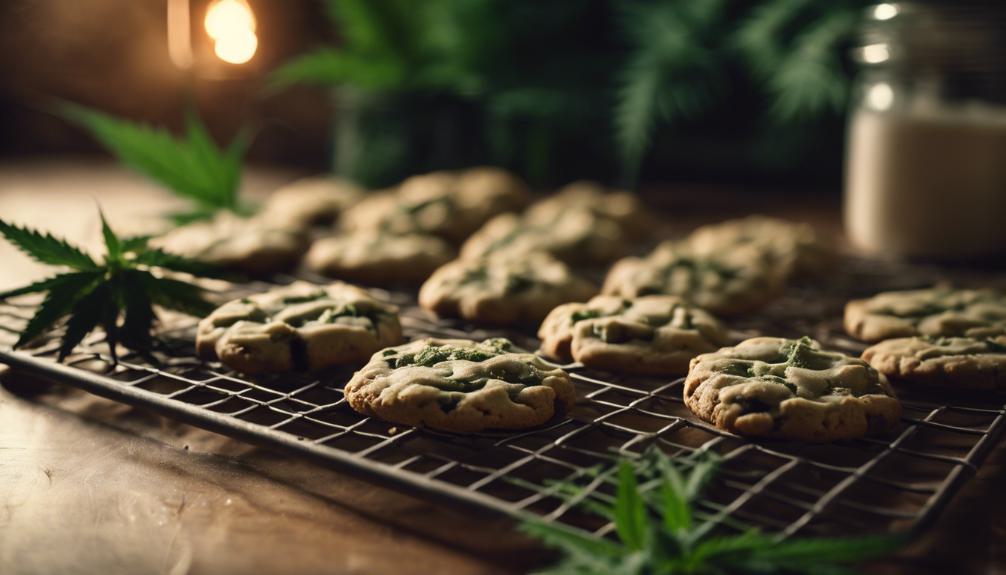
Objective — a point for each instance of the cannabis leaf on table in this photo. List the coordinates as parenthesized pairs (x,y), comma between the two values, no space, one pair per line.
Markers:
(659,532)
(192,166)
(118,292)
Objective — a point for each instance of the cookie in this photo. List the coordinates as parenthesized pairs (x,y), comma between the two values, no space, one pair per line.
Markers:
(375,258)
(308,202)
(580,225)
(299,327)
(577,237)
(960,362)
(450,205)
(938,311)
(791,246)
(461,386)
(249,245)
(502,291)
(617,206)
(650,335)
(790,389)
(728,283)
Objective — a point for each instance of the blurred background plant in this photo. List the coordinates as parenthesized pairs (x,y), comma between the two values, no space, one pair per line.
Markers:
(554,89)
(719,91)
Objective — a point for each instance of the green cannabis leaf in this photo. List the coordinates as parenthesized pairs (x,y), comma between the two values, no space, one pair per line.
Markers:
(794,48)
(390,45)
(672,69)
(659,532)
(118,293)
(192,166)
(329,66)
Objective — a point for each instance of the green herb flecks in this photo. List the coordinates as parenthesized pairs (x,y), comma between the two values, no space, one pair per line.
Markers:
(508,238)
(802,353)
(304,298)
(698,272)
(659,529)
(739,368)
(322,310)
(118,293)
(517,283)
(478,274)
(433,354)
(592,313)
(414,208)
(584,314)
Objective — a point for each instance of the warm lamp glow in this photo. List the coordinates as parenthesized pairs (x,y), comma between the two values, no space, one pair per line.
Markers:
(231,25)
(876,53)
(885,11)
(880,96)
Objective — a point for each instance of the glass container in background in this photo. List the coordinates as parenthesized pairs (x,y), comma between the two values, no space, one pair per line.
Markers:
(926,158)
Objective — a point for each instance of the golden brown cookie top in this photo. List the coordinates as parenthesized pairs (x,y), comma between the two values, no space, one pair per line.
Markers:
(315,200)
(253,245)
(306,308)
(617,320)
(451,205)
(758,374)
(937,311)
(726,283)
(789,245)
(460,385)
(774,387)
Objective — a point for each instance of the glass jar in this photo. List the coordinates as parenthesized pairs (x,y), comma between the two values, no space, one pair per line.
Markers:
(926,158)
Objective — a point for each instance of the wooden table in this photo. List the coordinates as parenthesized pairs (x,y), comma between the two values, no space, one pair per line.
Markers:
(92,486)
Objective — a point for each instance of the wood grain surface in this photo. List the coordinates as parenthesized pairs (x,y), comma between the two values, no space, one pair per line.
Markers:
(92,486)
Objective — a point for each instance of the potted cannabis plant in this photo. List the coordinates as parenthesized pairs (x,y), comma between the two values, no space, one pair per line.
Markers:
(583,88)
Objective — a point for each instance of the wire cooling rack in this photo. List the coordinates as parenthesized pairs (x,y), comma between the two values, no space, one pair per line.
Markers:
(897,483)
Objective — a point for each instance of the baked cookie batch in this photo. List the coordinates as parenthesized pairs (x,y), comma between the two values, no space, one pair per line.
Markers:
(773,387)
(460,385)
(486,255)
(937,337)
(300,327)
(652,335)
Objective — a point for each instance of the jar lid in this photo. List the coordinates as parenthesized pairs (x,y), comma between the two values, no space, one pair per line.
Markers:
(966,34)
(961,42)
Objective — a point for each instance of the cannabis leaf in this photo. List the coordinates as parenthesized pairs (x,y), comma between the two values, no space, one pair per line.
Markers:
(330,66)
(659,532)
(394,45)
(376,54)
(192,166)
(794,48)
(117,294)
(672,70)
(46,249)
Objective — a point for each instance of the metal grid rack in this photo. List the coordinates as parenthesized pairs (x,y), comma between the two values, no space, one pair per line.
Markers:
(893,484)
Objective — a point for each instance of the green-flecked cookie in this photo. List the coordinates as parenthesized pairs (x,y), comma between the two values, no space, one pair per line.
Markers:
(938,311)
(253,245)
(790,389)
(376,258)
(450,205)
(727,283)
(581,224)
(300,327)
(461,386)
(652,335)
(503,290)
(960,362)
(788,246)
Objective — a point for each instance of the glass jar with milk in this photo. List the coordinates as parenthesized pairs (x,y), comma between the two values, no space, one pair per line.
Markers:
(926,159)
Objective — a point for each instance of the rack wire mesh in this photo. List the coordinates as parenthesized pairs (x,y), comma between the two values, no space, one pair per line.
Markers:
(897,483)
